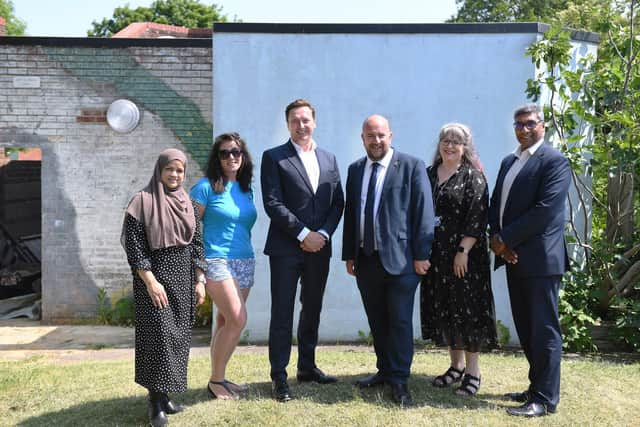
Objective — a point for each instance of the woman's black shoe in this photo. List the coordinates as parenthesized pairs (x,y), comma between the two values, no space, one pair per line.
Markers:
(157,416)
(170,407)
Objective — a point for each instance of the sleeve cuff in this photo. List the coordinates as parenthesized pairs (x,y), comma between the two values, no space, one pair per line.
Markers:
(303,234)
(325,234)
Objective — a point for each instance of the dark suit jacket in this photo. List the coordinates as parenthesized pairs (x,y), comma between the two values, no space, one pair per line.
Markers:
(534,217)
(405,219)
(290,202)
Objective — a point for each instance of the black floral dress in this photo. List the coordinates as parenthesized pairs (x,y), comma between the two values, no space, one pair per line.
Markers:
(163,336)
(459,312)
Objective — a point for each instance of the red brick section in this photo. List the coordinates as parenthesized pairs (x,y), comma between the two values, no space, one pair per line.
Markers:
(151,30)
(91,115)
(3,26)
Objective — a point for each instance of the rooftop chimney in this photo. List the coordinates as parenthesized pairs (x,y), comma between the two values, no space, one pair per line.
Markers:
(3,26)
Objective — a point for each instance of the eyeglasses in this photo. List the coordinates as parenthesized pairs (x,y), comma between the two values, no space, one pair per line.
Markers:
(529,124)
(225,154)
(451,142)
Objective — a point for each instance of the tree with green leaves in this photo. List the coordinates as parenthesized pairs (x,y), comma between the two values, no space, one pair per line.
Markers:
(579,14)
(185,13)
(506,10)
(15,27)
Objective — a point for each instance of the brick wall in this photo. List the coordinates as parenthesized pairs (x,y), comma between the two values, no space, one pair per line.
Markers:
(54,94)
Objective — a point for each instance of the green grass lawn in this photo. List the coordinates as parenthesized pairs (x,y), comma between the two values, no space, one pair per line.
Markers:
(38,392)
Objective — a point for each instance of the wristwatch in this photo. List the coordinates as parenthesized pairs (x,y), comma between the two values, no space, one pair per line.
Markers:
(462,249)
(201,279)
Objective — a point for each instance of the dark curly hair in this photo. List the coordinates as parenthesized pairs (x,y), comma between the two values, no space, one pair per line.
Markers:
(214,168)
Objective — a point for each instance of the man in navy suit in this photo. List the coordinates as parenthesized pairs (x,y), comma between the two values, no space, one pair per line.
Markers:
(388,230)
(303,197)
(527,221)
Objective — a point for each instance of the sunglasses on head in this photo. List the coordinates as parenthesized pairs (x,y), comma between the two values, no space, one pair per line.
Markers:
(225,154)
(529,124)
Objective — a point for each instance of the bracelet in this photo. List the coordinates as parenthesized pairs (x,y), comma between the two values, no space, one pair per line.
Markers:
(201,279)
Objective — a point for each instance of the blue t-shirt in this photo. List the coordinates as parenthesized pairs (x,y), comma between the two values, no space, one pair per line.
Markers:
(228,219)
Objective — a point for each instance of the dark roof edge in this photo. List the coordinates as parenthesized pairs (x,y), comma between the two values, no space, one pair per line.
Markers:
(103,42)
(446,28)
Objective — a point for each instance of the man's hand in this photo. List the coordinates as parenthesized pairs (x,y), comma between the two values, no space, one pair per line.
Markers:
(313,242)
(502,250)
(510,256)
(421,266)
(497,245)
(351,267)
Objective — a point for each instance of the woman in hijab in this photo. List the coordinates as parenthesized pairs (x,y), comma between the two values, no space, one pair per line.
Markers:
(161,236)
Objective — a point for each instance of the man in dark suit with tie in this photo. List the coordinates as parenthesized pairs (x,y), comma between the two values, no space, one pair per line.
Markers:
(303,197)
(527,221)
(388,230)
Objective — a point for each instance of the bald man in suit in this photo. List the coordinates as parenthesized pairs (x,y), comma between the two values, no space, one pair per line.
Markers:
(388,230)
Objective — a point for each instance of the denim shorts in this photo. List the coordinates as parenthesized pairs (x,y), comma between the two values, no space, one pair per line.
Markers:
(240,269)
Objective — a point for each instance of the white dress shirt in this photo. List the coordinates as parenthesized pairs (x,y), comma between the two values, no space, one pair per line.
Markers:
(312,167)
(514,170)
(382,172)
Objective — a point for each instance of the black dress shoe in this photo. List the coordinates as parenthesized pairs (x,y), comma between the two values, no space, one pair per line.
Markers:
(518,397)
(157,416)
(401,395)
(280,391)
(315,375)
(374,380)
(529,409)
(170,407)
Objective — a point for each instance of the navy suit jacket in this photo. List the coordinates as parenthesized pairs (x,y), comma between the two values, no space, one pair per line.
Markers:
(290,202)
(405,218)
(533,221)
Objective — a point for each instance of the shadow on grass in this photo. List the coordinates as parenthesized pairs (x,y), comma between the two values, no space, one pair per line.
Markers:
(127,411)
(345,390)
(133,410)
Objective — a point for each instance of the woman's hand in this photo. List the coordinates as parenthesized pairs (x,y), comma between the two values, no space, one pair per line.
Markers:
(157,293)
(200,293)
(460,264)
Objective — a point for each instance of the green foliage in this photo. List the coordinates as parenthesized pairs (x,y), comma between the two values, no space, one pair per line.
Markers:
(628,322)
(573,307)
(602,95)
(503,333)
(185,13)
(365,337)
(15,26)
(122,313)
(508,10)
(204,313)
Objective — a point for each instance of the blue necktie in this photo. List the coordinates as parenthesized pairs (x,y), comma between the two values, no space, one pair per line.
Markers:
(369,238)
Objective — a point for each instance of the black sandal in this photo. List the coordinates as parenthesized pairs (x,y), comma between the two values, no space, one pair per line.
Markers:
(224,385)
(469,387)
(239,388)
(452,376)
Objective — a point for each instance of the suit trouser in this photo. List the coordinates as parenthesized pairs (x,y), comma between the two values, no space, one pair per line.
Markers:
(312,271)
(534,305)
(388,302)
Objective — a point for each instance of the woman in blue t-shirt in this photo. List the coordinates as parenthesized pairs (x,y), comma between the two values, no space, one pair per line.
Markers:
(224,200)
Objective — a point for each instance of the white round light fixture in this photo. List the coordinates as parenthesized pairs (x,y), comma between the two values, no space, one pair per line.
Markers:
(123,116)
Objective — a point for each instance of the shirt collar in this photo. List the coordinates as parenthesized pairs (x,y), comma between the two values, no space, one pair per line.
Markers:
(299,149)
(531,150)
(382,162)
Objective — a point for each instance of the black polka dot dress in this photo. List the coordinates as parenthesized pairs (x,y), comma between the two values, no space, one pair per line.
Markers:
(163,336)
(459,312)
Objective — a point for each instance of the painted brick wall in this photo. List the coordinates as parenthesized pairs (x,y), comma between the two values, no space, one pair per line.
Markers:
(53,95)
